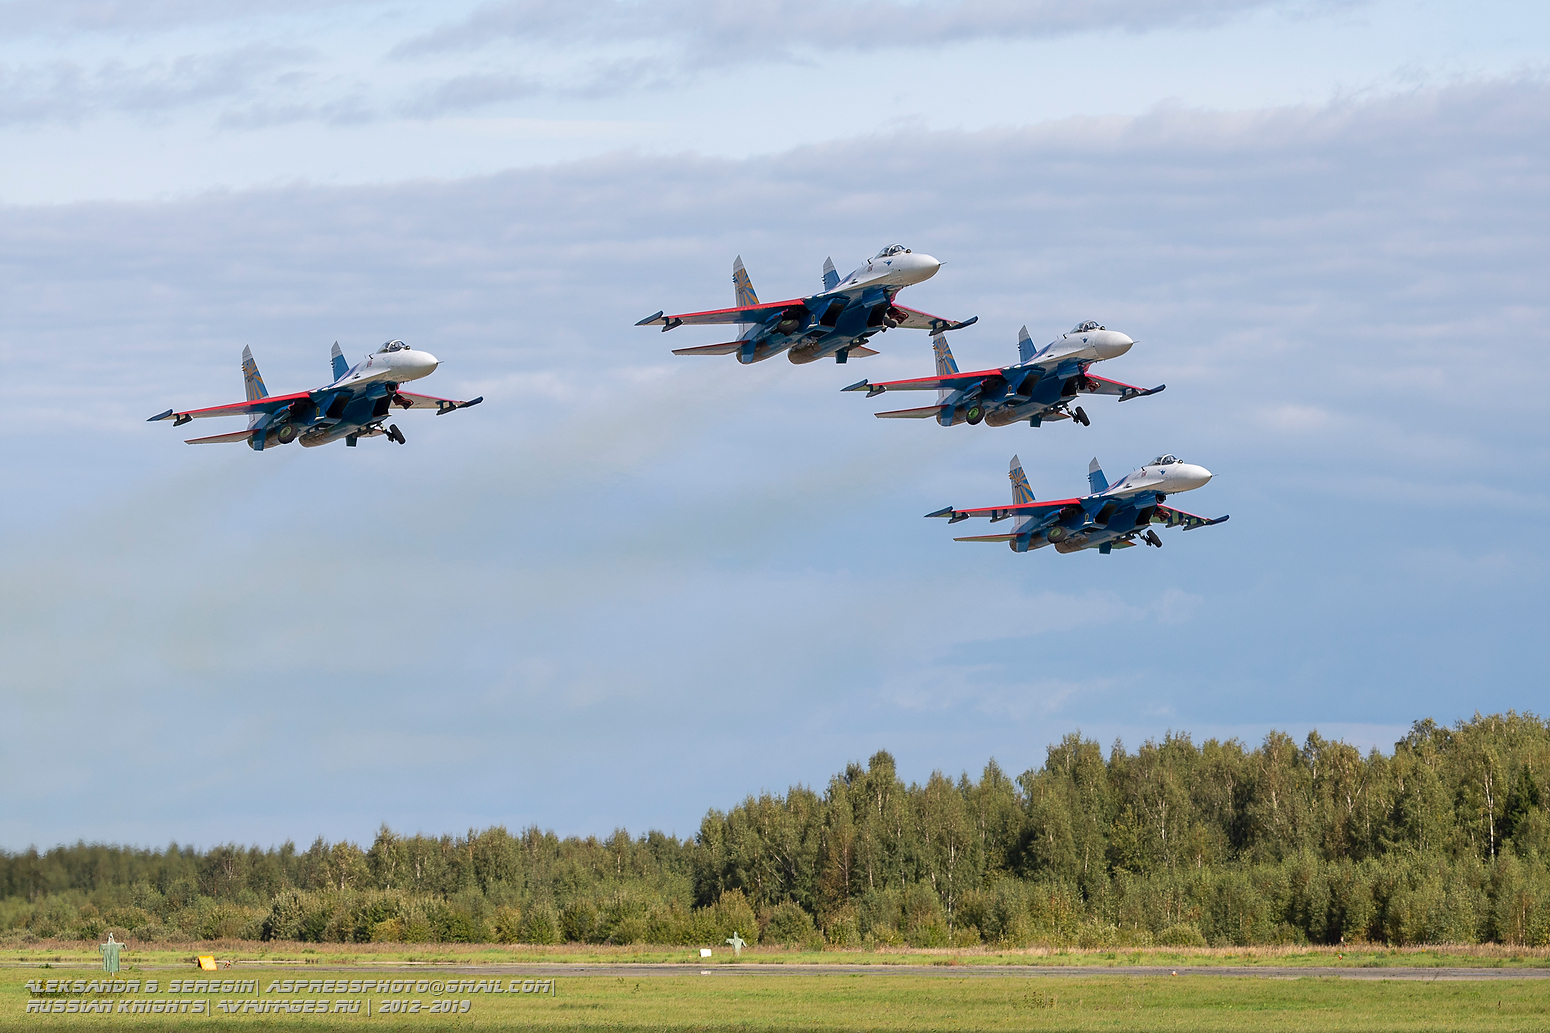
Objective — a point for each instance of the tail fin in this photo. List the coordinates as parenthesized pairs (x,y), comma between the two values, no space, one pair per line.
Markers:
(252,380)
(945,363)
(746,298)
(831,275)
(1025,345)
(743,292)
(341,367)
(1095,477)
(1021,493)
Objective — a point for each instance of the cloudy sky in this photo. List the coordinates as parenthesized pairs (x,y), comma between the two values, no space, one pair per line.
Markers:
(631,586)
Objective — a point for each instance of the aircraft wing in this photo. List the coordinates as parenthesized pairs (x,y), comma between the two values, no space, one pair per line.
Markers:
(917,320)
(268,404)
(988,538)
(1002,512)
(1171,517)
(1105,386)
(953,382)
(408,400)
(747,314)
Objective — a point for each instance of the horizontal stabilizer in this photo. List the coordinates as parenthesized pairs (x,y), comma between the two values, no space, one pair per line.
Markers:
(988,538)
(923,413)
(860,351)
(220,439)
(710,349)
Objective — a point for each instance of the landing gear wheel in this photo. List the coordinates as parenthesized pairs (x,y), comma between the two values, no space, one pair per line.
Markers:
(1152,539)
(974,415)
(394,434)
(1080,416)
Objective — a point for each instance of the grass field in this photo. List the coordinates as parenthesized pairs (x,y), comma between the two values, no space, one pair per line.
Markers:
(73,953)
(752,1002)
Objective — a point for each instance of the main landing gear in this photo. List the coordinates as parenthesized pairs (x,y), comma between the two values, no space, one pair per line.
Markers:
(1080,415)
(394,434)
(1151,538)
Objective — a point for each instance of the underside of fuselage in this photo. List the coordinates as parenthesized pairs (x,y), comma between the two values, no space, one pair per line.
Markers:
(1076,528)
(347,414)
(1000,402)
(823,326)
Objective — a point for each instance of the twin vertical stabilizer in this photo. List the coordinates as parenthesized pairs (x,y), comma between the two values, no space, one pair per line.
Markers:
(946,365)
(831,275)
(742,290)
(1021,492)
(1095,478)
(1025,346)
(340,366)
(252,382)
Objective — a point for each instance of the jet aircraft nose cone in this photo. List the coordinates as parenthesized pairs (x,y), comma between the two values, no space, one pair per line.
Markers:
(924,266)
(421,364)
(1111,344)
(1190,476)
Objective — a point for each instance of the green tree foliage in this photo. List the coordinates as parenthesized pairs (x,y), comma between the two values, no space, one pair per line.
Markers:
(1445,840)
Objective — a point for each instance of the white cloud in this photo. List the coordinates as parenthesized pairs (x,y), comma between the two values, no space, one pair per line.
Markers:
(717,32)
(623,559)
(65,91)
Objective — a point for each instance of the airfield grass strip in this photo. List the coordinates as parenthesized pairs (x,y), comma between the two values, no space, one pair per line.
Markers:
(906,1003)
(75,954)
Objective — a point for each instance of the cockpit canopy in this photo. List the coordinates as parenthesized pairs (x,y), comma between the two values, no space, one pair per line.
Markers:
(1164,460)
(891,250)
(1082,328)
(393,346)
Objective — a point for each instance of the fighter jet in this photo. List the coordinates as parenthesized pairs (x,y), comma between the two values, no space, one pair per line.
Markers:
(837,321)
(1040,387)
(355,405)
(1114,516)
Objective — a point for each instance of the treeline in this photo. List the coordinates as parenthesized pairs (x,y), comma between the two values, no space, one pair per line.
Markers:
(1446,840)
